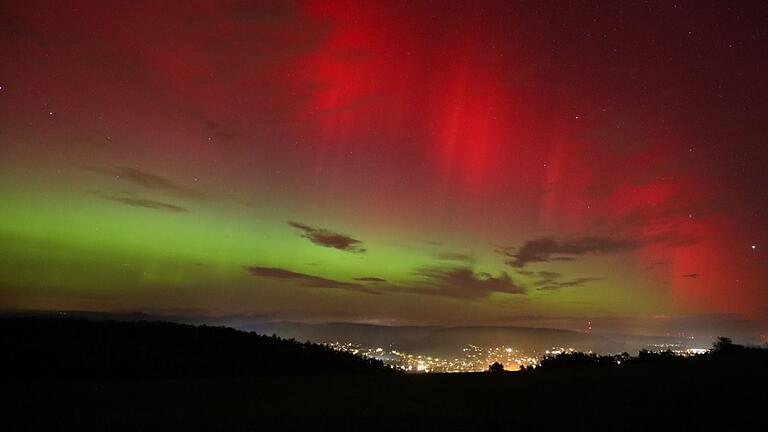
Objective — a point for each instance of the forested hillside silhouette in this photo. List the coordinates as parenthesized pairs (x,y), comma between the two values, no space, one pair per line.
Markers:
(69,348)
(724,355)
(147,376)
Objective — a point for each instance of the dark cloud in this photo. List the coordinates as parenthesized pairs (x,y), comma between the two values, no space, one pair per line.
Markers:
(328,238)
(369,279)
(551,281)
(549,249)
(546,277)
(307,279)
(549,275)
(463,282)
(454,256)
(564,258)
(691,275)
(552,285)
(146,203)
(150,181)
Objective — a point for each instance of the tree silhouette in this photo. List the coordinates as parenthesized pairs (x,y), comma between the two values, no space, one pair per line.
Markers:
(723,344)
(78,349)
(496,367)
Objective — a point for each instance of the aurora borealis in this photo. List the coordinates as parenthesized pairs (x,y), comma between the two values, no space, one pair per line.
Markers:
(451,163)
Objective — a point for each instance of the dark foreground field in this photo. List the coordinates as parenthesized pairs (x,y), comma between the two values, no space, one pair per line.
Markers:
(612,400)
(111,376)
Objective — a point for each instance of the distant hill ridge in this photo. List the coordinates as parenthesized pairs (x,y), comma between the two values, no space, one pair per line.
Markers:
(448,341)
(443,341)
(49,347)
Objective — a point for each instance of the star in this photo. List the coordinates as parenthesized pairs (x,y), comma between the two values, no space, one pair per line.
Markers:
(754,247)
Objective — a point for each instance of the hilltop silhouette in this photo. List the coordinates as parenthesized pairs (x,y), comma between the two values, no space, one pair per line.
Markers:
(74,374)
(724,355)
(48,348)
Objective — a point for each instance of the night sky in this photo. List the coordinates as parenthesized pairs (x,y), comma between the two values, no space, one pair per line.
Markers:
(450,163)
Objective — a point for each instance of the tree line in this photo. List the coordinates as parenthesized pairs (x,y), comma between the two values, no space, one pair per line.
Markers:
(73,348)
